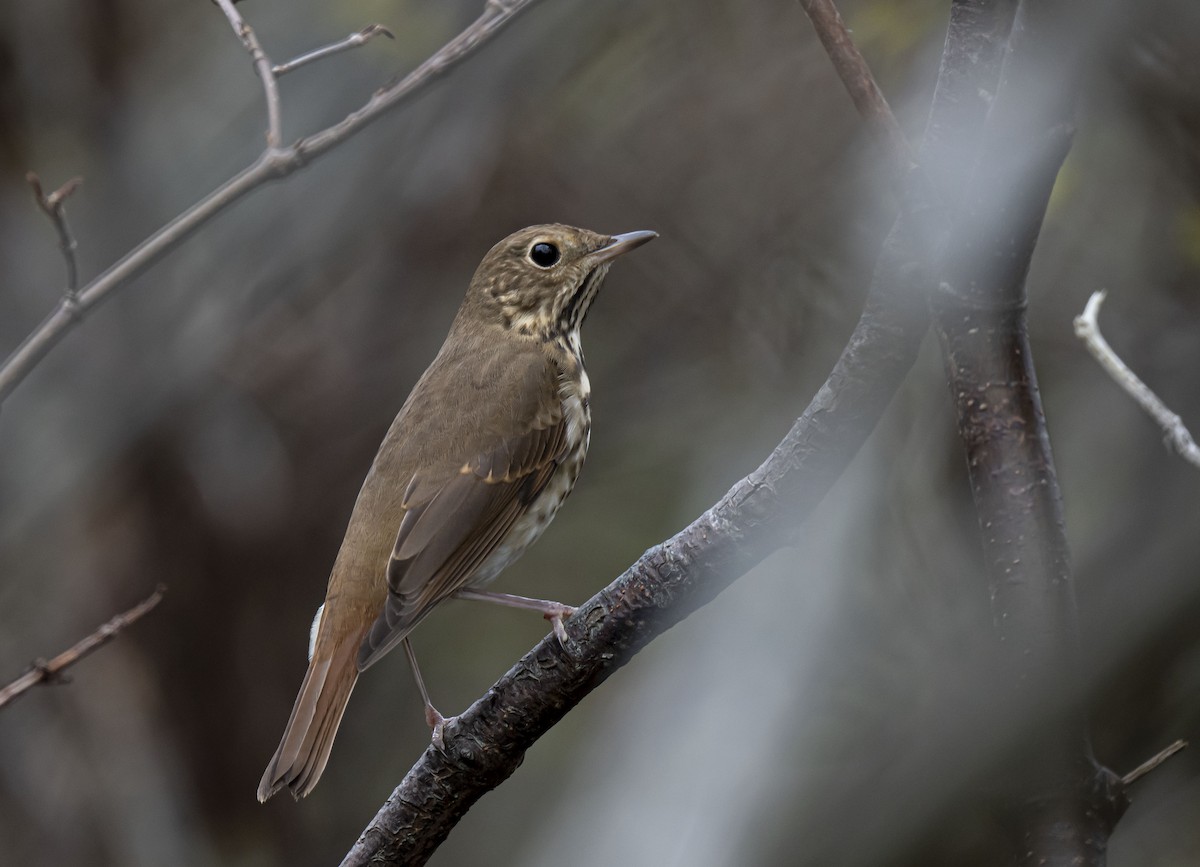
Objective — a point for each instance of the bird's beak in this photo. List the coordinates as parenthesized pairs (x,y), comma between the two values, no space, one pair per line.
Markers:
(619,244)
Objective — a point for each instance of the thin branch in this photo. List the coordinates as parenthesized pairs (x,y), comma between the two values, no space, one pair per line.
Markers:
(1087,329)
(486,743)
(1153,762)
(264,68)
(494,16)
(51,672)
(52,205)
(354,40)
(855,73)
(272,164)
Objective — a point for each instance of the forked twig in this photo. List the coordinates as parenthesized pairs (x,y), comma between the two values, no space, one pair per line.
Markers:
(1087,329)
(52,205)
(354,40)
(51,672)
(272,164)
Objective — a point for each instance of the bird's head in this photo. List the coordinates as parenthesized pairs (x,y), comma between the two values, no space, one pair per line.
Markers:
(541,280)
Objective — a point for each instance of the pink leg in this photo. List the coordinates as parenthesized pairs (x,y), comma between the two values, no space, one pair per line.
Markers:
(555,612)
(433,719)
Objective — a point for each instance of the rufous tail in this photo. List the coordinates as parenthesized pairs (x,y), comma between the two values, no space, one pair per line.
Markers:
(308,738)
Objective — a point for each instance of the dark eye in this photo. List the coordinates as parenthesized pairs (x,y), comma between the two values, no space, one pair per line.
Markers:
(543,255)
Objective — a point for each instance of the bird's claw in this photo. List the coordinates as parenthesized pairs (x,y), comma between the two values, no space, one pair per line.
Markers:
(556,616)
(560,631)
(437,726)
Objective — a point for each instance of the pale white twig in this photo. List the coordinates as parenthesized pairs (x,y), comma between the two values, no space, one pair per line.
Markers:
(264,68)
(1087,329)
(273,163)
(354,40)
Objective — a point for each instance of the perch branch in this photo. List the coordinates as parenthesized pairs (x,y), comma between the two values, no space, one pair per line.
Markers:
(52,205)
(487,741)
(51,672)
(272,164)
(1087,329)
(354,40)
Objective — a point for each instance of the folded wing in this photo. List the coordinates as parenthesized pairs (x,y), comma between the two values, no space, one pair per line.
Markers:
(453,521)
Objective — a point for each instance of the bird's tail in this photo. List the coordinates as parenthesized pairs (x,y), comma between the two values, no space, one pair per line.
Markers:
(304,749)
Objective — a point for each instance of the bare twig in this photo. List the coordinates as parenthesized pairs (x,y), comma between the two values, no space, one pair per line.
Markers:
(272,164)
(852,68)
(1087,329)
(264,68)
(354,40)
(1153,762)
(52,204)
(51,672)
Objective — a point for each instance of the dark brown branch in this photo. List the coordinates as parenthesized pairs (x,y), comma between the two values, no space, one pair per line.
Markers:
(1060,805)
(487,742)
(52,206)
(52,671)
(852,68)
(1152,763)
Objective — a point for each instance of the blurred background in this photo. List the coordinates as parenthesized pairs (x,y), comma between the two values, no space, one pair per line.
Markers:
(208,428)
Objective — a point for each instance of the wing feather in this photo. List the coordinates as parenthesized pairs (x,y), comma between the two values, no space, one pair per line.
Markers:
(453,524)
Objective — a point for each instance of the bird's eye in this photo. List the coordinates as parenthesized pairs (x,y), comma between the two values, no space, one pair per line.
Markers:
(543,255)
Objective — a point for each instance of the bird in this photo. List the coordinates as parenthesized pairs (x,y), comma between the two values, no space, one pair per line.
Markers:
(474,467)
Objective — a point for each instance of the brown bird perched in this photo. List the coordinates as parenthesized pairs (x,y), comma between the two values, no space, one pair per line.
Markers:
(473,469)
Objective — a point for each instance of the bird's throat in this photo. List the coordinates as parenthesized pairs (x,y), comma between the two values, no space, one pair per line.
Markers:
(575,310)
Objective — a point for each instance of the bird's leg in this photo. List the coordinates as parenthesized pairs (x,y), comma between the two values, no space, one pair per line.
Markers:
(555,612)
(435,721)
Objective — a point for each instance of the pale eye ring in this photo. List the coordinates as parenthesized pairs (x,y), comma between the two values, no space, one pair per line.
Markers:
(544,254)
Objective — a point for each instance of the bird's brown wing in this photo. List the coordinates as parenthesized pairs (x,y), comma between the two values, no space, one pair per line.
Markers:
(452,524)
